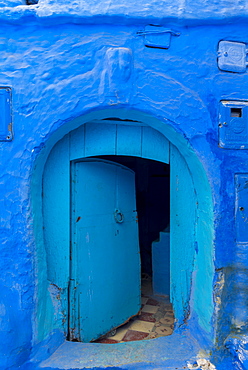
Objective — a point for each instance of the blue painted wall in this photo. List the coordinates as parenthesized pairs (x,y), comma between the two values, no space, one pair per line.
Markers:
(68,64)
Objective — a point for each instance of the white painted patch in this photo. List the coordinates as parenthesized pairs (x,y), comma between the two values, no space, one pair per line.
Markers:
(202,364)
(219,286)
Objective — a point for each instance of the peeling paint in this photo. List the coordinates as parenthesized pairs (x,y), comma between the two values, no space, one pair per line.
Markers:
(202,364)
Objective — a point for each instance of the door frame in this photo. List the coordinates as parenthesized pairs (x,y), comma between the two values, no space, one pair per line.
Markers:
(204,227)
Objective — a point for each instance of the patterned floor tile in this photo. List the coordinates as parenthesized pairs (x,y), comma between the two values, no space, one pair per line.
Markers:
(152,302)
(145,316)
(144,300)
(163,330)
(169,313)
(120,332)
(143,326)
(168,307)
(132,335)
(167,320)
(107,341)
(149,308)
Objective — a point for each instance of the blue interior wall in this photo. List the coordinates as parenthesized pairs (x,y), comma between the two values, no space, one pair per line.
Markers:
(58,73)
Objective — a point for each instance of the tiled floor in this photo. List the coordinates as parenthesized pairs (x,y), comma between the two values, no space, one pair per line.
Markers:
(156,319)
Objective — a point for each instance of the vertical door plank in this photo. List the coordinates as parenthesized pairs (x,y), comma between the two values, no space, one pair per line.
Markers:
(128,140)
(100,139)
(154,145)
(77,143)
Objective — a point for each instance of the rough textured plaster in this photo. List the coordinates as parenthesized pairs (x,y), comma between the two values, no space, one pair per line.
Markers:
(56,74)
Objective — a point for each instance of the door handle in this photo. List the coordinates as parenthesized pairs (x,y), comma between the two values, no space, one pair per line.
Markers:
(119,217)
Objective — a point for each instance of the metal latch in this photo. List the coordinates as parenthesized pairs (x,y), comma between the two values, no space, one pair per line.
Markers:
(157,36)
(232,56)
(119,217)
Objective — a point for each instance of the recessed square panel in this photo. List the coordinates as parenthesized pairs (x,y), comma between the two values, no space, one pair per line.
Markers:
(232,56)
(233,124)
(5,114)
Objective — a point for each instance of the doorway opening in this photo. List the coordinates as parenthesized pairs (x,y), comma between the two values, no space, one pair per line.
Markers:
(152,187)
(152,184)
(190,230)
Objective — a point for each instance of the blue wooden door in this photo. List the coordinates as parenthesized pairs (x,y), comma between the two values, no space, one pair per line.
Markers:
(105,262)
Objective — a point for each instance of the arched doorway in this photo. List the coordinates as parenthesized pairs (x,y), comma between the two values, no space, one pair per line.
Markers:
(191,235)
(101,139)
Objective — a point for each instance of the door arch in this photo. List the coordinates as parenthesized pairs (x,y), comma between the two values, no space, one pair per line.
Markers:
(185,169)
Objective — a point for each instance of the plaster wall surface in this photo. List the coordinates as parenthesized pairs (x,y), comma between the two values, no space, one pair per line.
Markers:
(70,63)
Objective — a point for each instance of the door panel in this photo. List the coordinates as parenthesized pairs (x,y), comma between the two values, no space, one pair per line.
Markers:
(105,263)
